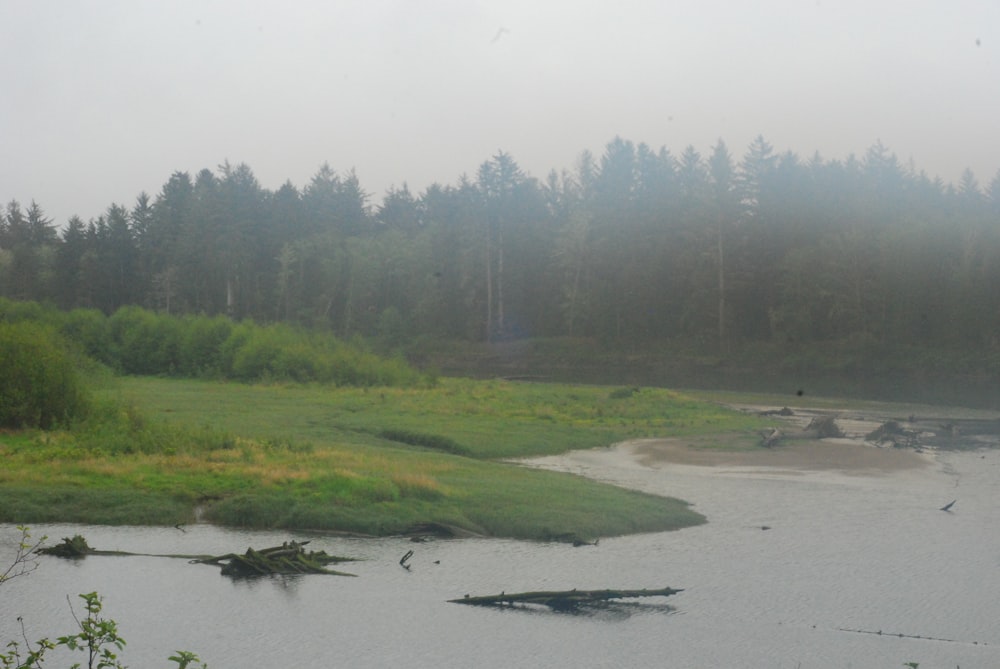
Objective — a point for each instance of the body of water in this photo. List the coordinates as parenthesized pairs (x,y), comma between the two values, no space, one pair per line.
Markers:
(845,556)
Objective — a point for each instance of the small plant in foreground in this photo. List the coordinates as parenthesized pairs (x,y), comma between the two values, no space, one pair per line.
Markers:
(97,637)
(25,560)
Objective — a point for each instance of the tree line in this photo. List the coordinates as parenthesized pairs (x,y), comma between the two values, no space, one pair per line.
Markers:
(635,247)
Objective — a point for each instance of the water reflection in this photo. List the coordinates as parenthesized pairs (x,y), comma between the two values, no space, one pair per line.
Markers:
(606,611)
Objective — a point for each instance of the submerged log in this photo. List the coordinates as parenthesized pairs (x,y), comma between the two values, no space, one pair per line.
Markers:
(288,558)
(562,600)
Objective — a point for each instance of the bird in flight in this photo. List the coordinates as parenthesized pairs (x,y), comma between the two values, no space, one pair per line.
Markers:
(500,33)
(947,507)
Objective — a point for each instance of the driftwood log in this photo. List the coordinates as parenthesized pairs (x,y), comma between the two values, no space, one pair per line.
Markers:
(894,433)
(562,600)
(770,437)
(820,427)
(288,558)
(77,547)
(937,432)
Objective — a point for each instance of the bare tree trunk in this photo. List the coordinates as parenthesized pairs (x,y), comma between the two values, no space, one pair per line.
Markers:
(229,297)
(489,285)
(500,323)
(573,298)
(722,289)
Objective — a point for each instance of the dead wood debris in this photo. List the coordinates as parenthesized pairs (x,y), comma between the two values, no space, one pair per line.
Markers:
(563,600)
(288,558)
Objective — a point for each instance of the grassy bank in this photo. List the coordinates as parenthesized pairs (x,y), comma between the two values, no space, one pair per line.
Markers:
(375,461)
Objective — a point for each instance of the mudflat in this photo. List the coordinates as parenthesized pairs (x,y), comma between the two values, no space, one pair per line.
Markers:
(828,454)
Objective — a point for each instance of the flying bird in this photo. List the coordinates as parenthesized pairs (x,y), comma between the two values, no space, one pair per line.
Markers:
(500,33)
(947,507)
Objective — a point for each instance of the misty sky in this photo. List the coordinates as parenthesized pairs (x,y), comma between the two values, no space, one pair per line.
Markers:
(102,99)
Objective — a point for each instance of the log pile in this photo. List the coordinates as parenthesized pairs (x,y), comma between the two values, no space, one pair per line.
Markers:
(943,432)
(893,433)
(288,558)
(562,600)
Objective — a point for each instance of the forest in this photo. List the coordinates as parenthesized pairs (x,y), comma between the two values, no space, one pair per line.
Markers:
(636,249)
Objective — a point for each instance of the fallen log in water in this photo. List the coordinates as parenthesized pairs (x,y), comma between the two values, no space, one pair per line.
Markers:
(562,600)
(75,547)
(288,558)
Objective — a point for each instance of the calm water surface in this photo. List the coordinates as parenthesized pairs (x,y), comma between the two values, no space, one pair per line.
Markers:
(844,553)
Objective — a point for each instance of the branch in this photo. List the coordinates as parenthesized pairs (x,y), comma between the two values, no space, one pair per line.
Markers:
(25,560)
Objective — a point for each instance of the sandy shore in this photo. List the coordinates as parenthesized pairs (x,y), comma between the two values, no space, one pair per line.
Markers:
(846,455)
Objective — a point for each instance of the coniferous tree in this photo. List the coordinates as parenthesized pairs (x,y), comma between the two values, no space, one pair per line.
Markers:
(69,261)
(725,202)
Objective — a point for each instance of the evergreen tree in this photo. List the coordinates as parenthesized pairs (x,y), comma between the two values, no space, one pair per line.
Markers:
(725,214)
(69,260)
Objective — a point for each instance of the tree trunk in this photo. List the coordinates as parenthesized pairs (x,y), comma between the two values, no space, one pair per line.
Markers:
(722,290)
(563,600)
(500,323)
(489,284)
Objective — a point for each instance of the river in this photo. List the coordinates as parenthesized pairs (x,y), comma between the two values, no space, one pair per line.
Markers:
(846,554)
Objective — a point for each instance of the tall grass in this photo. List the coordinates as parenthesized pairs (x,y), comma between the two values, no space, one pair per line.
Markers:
(481,419)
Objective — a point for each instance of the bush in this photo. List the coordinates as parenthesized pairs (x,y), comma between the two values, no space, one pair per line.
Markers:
(148,343)
(137,341)
(41,387)
(202,345)
(89,329)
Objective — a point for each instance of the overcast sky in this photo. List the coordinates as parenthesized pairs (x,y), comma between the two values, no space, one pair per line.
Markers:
(103,99)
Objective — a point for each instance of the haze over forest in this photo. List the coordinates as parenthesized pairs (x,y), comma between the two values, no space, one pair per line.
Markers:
(103,100)
(635,247)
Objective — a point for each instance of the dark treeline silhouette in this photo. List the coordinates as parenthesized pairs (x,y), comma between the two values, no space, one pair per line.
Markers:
(635,247)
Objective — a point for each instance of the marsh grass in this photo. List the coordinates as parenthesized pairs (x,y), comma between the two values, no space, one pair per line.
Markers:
(483,419)
(373,461)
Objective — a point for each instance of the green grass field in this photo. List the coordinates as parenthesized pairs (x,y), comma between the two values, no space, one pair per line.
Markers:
(373,461)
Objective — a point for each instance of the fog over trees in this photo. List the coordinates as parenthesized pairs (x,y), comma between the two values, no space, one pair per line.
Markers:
(636,246)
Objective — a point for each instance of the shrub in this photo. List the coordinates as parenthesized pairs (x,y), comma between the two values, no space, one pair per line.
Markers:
(201,349)
(41,387)
(148,343)
(89,328)
(137,341)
